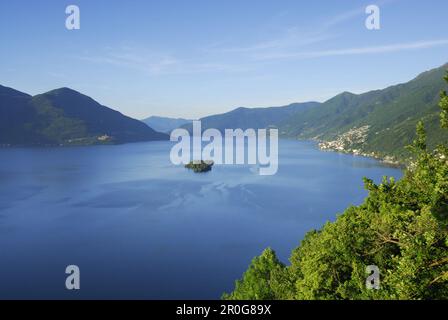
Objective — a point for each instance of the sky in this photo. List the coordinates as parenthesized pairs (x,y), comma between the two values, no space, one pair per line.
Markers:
(201,57)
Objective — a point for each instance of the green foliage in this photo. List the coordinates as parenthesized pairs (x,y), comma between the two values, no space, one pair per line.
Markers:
(420,141)
(257,282)
(444,106)
(402,228)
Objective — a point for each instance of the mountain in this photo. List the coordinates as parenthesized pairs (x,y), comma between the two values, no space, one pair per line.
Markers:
(256,118)
(379,122)
(65,117)
(15,113)
(163,124)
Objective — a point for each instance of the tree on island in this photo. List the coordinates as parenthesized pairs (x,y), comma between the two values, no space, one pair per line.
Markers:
(202,166)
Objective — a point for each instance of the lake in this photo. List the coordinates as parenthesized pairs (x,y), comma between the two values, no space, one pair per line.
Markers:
(139,227)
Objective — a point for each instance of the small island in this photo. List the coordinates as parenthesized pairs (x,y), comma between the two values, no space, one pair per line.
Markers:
(203,166)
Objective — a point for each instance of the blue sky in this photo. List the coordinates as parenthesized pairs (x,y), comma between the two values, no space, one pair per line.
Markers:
(195,58)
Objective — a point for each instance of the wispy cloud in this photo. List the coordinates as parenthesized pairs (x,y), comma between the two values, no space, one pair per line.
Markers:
(132,58)
(290,43)
(292,40)
(295,36)
(153,63)
(291,37)
(356,51)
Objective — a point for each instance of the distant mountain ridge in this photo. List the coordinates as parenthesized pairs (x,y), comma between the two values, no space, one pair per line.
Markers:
(376,123)
(165,124)
(256,118)
(385,118)
(65,117)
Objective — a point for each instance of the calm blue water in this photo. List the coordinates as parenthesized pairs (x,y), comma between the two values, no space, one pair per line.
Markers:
(139,227)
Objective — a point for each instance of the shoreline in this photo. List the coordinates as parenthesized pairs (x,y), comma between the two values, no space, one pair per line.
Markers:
(389,161)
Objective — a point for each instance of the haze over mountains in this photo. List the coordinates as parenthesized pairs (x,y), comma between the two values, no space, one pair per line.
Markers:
(164,124)
(65,117)
(256,118)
